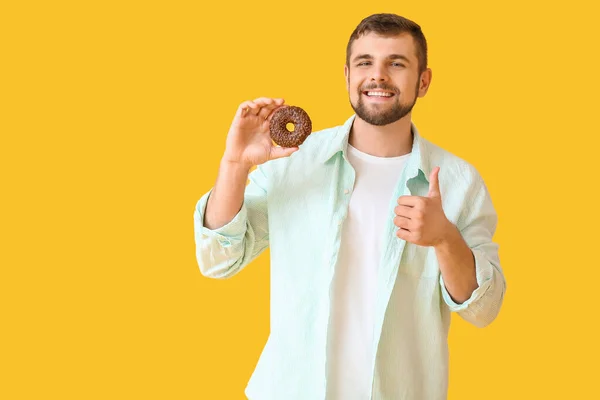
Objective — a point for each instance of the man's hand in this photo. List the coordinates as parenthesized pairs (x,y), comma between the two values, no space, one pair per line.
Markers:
(421,220)
(249,141)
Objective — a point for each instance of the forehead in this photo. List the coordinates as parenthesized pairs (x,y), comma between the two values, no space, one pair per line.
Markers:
(381,46)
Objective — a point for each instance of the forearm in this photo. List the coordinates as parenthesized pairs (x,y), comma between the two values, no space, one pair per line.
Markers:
(227,196)
(457,265)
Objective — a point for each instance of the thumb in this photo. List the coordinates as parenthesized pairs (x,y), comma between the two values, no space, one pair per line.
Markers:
(434,183)
(280,152)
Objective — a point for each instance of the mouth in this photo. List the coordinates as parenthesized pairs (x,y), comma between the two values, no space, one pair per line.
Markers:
(378,94)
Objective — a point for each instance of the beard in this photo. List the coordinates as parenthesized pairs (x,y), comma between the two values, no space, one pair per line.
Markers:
(382,114)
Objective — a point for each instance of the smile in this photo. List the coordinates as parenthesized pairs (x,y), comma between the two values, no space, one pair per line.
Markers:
(377,93)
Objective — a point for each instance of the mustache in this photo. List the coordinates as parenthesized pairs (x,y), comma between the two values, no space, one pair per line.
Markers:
(382,87)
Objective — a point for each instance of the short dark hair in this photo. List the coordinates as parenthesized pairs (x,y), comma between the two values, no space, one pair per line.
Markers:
(391,25)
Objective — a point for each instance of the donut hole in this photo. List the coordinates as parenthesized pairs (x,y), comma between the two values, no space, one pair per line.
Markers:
(290,127)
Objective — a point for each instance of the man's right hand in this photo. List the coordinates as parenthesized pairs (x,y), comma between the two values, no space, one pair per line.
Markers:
(249,141)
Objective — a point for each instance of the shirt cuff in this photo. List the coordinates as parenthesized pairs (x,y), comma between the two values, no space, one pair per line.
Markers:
(233,231)
(484,272)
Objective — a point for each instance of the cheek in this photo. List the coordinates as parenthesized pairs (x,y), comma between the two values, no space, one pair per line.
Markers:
(352,88)
(407,90)
(356,83)
(412,84)
(406,81)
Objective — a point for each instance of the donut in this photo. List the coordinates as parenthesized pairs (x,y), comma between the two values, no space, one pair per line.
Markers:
(302,126)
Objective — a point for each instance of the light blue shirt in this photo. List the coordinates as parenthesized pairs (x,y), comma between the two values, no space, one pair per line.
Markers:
(296,206)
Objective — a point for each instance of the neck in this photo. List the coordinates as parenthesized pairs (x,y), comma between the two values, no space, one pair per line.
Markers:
(390,140)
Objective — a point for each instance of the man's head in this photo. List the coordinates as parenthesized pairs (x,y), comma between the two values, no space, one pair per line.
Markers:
(386,68)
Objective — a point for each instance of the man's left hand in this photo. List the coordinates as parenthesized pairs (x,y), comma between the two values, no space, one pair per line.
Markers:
(421,220)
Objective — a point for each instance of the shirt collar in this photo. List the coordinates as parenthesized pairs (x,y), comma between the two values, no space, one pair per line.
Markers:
(418,160)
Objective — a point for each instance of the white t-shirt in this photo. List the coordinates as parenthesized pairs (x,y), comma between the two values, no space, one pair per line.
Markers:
(354,285)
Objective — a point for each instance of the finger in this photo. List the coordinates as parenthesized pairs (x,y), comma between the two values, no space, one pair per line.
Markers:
(242,109)
(434,183)
(266,110)
(268,100)
(253,108)
(267,105)
(270,116)
(404,211)
(403,234)
(409,201)
(246,108)
(280,152)
(249,108)
(263,102)
(403,223)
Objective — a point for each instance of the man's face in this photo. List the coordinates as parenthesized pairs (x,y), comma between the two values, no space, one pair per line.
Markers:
(382,78)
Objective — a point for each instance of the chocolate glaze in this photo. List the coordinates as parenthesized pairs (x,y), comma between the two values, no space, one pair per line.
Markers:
(285,115)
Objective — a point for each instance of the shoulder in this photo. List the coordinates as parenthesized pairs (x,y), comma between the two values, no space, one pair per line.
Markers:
(462,187)
(452,167)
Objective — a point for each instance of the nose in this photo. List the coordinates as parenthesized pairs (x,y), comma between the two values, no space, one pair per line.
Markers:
(378,74)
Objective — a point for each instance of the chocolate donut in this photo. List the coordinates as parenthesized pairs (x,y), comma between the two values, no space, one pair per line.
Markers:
(279,131)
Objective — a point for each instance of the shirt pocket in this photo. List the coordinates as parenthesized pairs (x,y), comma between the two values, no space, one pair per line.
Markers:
(419,261)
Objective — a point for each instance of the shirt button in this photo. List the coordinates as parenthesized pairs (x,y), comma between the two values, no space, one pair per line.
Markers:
(346,191)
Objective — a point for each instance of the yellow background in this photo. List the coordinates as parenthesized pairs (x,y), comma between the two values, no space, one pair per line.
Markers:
(113,120)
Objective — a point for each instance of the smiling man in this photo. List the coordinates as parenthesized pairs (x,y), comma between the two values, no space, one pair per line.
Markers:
(376,235)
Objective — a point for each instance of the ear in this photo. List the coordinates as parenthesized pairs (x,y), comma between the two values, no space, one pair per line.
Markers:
(424,82)
(347,76)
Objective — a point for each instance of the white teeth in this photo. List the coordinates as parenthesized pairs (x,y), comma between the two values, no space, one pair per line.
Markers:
(380,94)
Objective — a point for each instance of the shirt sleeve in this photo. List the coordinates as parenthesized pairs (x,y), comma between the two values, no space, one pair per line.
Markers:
(477,229)
(225,251)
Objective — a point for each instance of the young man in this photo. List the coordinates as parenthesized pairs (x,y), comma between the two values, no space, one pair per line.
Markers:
(376,235)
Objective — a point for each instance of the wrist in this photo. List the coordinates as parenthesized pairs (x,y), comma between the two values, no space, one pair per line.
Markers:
(236,166)
(449,236)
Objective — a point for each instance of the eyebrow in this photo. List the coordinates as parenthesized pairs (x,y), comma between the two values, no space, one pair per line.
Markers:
(390,57)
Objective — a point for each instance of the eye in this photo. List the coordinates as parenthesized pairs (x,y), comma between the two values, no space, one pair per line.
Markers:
(396,64)
(364,63)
